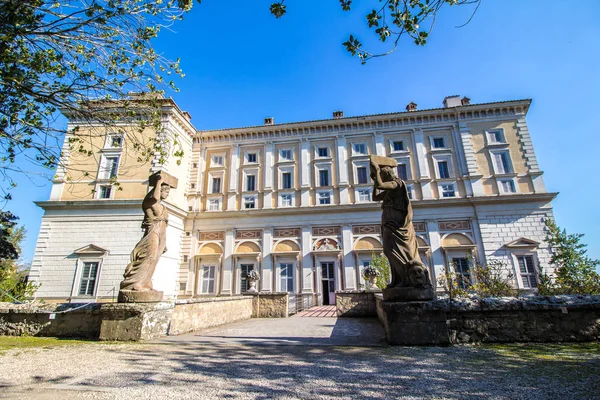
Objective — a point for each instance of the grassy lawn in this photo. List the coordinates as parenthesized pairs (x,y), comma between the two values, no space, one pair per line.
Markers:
(25,342)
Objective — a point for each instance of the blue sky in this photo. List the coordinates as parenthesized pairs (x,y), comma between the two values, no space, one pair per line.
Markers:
(242,65)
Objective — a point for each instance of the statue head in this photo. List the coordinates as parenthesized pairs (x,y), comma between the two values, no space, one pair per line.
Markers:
(387,173)
(164,191)
(417,274)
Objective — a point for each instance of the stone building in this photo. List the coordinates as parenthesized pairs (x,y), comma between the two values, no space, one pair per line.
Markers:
(293,201)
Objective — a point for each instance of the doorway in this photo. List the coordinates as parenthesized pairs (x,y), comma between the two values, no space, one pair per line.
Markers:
(328,283)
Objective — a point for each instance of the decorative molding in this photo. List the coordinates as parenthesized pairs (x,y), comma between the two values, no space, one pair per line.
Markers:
(286,232)
(419,226)
(326,230)
(454,225)
(212,235)
(366,229)
(527,146)
(251,234)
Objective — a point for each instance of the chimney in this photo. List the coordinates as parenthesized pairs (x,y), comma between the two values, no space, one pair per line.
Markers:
(452,101)
(465,101)
(269,121)
(338,114)
(412,106)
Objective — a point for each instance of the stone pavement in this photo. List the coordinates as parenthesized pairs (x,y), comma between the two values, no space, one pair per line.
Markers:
(319,311)
(296,330)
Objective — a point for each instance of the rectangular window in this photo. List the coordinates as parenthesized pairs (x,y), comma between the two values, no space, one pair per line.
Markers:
(217,161)
(398,145)
(364,195)
(409,189)
(285,155)
(508,186)
(105,191)
(110,168)
(287,277)
(216,185)
(250,183)
(443,169)
(502,162)
(251,157)
(323,177)
(324,198)
(496,136)
(249,202)
(88,278)
(463,272)
(359,148)
(438,143)
(323,151)
(286,200)
(116,141)
(361,175)
(245,270)
(366,264)
(402,172)
(286,180)
(527,271)
(214,205)
(448,190)
(208,279)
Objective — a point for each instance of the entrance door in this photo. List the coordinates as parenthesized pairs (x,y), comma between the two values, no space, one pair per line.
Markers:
(328,283)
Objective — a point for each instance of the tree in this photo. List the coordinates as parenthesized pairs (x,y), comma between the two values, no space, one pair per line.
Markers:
(13,278)
(381,264)
(574,271)
(392,20)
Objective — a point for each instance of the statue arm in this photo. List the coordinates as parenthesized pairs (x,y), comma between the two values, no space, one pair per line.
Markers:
(379,184)
(156,191)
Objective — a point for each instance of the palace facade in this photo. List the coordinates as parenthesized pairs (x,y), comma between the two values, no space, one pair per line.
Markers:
(293,201)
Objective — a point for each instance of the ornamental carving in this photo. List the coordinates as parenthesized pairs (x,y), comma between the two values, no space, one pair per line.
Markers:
(253,234)
(286,232)
(326,245)
(326,231)
(212,235)
(455,225)
(419,226)
(366,230)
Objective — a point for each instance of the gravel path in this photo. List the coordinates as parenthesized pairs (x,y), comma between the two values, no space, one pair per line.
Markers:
(221,370)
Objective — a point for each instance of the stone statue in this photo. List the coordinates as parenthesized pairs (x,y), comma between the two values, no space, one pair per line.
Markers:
(410,278)
(137,283)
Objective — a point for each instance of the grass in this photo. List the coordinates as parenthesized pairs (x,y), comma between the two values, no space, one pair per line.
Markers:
(547,351)
(26,342)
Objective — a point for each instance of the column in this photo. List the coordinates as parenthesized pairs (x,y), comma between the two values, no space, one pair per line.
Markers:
(307,261)
(268,167)
(437,253)
(420,151)
(305,172)
(227,265)
(348,259)
(474,181)
(234,169)
(342,167)
(266,280)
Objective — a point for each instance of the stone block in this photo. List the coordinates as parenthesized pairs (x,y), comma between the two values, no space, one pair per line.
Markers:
(134,321)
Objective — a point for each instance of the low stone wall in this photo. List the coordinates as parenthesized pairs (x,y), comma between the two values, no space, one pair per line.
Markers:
(355,304)
(135,321)
(195,314)
(269,305)
(533,319)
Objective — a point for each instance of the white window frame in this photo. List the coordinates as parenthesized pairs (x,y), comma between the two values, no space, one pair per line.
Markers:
(99,191)
(214,158)
(317,147)
(393,149)
(517,270)
(286,170)
(281,152)
(103,171)
(491,133)
(251,200)
(200,289)
(321,192)
(281,200)
(247,157)
(441,190)
(79,275)
(366,192)
(404,161)
(213,176)
(245,182)
(444,157)
(291,277)
(432,141)
(210,204)
(410,189)
(356,166)
(497,170)
(355,153)
(501,188)
(109,140)
(319,168)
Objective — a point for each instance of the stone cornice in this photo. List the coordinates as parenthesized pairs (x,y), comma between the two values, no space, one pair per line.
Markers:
(376,122)
(103,204)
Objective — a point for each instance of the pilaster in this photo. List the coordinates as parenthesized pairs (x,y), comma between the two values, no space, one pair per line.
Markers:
(379,145)
(420,151)
(266,279)
(348,259)
(342,158)
(307,261)
(437,254)
(227,281)
(305,172)
(268,167)
(234,170)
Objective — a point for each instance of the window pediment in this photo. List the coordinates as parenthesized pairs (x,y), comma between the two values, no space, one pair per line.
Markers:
(91,250)
(522,243)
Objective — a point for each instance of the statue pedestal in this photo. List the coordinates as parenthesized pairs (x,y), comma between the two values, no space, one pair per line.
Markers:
(408,294)
(134,296)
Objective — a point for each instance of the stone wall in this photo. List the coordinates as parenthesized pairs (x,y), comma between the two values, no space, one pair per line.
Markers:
(355,303)
(533,319)
(195,314)
(269,305)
